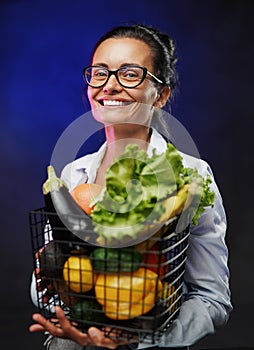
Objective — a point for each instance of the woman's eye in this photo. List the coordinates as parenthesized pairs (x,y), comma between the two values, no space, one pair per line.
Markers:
(99,73)
(130,74)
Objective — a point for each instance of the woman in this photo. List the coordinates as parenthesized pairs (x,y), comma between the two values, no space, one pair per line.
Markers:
(133,75)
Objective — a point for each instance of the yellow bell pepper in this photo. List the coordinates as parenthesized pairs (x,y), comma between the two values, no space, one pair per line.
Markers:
(78,273)
(127,295)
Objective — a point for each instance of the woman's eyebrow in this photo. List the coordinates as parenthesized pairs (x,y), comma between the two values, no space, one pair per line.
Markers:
(101,64)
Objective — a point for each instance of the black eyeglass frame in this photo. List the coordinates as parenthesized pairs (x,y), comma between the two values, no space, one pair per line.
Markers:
(115,73)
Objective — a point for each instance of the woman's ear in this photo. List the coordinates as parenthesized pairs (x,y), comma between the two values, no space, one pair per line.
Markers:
(163,96)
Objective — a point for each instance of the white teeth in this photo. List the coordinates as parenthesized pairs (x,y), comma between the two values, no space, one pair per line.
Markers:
(112,103)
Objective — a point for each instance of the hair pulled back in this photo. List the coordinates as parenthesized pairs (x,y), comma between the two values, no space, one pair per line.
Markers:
(161,45)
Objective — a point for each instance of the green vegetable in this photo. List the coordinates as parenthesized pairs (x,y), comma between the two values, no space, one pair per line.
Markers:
(114,260)
(87,310)
(136,187)
(202,196)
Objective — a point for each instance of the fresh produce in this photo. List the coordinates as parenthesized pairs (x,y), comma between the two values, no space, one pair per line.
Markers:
(148,243)
(87,310)
(155,261)
(78,273)
(175,204)
(114,260)
(71,222)
(141,194)
(85,194)
(127,295)
(137,187)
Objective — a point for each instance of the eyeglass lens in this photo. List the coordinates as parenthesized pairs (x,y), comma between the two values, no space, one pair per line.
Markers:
(128,76)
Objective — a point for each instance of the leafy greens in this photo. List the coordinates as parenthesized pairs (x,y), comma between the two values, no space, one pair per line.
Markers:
(136,186)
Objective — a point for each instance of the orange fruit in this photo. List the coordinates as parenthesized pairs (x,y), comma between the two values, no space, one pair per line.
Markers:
(83,194)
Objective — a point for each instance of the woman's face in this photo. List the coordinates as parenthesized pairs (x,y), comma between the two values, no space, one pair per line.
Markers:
(123,104)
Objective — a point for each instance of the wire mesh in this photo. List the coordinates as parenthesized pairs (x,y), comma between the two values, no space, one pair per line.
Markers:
(130,293)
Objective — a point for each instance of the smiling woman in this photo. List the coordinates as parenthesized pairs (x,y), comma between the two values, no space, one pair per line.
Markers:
(122,75)
(132,76)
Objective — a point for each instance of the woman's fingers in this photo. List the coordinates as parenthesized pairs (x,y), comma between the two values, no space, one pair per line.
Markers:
(69,330)
(65,324)
(36,328)
(42,324)
(64,329)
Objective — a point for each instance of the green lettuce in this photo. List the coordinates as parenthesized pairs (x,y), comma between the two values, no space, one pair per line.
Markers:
(136,186)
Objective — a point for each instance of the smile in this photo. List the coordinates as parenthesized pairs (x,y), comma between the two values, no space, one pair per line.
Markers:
(114,103)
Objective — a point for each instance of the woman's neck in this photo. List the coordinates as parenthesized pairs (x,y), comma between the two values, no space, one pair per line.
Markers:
(118,137)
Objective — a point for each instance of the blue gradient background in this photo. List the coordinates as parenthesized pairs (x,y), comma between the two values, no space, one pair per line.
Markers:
(44,46)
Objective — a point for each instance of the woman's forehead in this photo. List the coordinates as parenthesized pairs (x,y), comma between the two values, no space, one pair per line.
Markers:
(115,52)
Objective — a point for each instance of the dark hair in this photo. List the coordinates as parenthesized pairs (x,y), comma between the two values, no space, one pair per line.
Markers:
(161,44)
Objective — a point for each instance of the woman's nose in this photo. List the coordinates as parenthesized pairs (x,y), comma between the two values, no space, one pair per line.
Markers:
(112,85)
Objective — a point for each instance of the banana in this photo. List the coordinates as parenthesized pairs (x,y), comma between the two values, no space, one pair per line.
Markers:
(174,205)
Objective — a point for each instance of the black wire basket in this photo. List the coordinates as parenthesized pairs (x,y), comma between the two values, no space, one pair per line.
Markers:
(130,293)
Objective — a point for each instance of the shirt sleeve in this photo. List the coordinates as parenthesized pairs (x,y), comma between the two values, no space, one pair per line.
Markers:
(206,304)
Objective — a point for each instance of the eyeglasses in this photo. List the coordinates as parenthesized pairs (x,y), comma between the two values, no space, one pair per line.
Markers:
(127,76)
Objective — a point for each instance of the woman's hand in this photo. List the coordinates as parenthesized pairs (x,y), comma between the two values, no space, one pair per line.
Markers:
(64,329)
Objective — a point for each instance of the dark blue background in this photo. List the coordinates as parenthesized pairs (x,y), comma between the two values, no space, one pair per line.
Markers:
(44,46)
